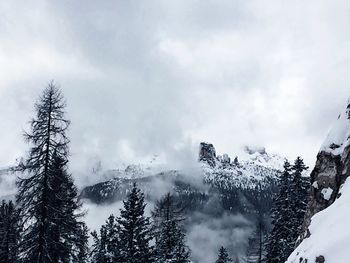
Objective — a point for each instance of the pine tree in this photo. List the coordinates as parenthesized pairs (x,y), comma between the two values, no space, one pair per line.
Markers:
(99,248)
(47,196)
(288,211)
(112,240)
(280,242)
(9,232)
(223,256)
(82,245)
(256,247)
(169,233)
(135,233)
(299,196)
(98,252)
(65,228)
(106,247)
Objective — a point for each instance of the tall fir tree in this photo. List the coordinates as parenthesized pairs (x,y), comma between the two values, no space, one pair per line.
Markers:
(280,242)
(256,251)
(223,256)
(99,246)
(135,230)
(82,253)
(66,228)
(112,239)
(288,211)
(106,247)
(169,232)
(300,186)
(47,196)
(9,232)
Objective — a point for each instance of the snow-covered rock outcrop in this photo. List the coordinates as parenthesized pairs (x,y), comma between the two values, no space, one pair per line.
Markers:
(257,169)
(326,235)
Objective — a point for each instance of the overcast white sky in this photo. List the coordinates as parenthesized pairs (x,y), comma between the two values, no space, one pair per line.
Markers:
(157,77)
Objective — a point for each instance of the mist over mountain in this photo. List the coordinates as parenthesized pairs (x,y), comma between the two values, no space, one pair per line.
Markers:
(179,131)
(222,197)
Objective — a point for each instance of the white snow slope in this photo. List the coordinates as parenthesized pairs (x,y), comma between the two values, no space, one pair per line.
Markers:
(330,233)
(339,137)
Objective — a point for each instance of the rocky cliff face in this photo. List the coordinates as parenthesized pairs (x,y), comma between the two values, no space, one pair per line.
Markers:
(327,178)
(331,169)
(207,153)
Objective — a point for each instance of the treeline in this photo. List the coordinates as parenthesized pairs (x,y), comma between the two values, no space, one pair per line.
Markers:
(45,224)
(288,211)
(128,238)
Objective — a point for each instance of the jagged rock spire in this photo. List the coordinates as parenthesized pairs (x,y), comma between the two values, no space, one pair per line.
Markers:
(207,153)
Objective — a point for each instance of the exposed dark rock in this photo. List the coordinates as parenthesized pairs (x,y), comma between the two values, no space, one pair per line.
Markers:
(329,174)
(320,259)
(207,153)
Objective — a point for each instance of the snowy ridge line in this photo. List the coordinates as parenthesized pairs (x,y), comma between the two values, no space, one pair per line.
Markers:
(339,136)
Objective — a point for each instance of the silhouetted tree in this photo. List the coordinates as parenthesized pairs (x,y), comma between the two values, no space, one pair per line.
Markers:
(223,256)
(288,211)
(279,244)
(169,233)
(135,233)
(47,196)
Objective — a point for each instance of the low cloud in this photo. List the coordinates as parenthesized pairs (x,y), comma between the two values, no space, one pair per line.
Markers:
(208,234)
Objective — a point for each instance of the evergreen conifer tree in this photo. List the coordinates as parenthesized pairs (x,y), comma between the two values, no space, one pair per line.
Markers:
(9,232)
(288,211)
(135,232)
(82,245)
(112,240)
(300,186)
(169,233)
(256,244)
(280,242)
(106,247)
(223,256)
(99,248)
(47,196)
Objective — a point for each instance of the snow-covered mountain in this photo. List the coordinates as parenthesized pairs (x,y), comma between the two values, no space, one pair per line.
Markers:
(259,170)
(234,193)
(326,236)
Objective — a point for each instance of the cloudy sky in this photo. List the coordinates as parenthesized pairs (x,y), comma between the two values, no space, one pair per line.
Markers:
(158,77)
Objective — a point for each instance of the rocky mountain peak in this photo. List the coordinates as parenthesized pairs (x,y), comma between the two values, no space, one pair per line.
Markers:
(207,153)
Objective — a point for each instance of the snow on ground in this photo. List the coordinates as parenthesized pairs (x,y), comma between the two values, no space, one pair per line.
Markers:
(330,233)
(327,193)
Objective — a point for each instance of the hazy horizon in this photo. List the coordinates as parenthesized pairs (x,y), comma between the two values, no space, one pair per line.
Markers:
(159,77)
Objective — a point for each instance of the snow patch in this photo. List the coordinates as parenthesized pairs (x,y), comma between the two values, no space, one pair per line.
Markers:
(327,193)
(339,137)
